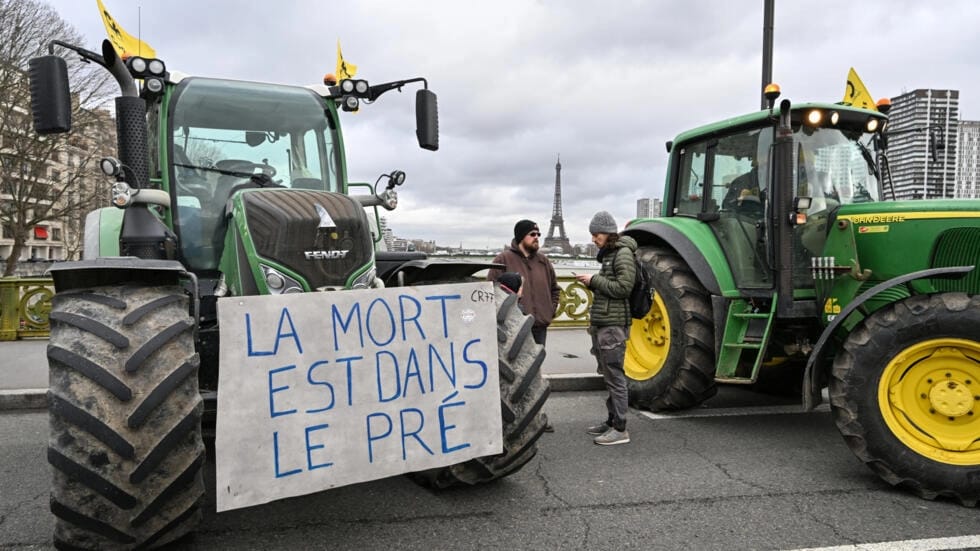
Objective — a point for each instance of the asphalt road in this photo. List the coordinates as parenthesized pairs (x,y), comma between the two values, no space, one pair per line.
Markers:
(746,471)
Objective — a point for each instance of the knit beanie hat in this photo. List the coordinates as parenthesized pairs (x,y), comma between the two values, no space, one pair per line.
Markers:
(522,228)
(602,222)
(510,280)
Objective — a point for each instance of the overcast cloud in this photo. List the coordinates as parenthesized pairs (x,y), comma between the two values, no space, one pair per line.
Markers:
(605,84)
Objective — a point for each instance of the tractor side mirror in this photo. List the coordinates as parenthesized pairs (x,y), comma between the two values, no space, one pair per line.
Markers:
(427,119)
(50,97)
(254,139)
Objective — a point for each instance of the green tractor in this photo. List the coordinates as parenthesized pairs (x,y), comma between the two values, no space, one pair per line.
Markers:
(775,253)
(222,188)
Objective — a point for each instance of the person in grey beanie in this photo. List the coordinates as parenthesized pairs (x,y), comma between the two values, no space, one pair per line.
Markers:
(610,320)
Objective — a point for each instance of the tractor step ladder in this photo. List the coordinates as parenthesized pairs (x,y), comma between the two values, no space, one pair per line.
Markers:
(744,339)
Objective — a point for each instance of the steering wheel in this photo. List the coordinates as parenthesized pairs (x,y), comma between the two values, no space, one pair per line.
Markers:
(750,206)
(245,167)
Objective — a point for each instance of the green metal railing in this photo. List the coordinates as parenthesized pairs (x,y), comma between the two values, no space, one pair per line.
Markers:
(25,303)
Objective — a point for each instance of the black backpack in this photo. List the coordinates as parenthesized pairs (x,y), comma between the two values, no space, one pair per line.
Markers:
(641,297)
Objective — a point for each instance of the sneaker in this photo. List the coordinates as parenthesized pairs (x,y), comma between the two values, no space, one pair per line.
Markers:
(596,430)
(613,437)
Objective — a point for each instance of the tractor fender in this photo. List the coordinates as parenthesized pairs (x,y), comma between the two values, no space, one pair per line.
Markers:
(811,384)
(707,271)
(432,269)
(118,270)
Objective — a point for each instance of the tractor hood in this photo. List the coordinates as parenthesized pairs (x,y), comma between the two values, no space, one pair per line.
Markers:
(320,239)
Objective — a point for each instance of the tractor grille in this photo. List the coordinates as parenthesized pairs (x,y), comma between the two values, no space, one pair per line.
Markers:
(958,247)
(286,227)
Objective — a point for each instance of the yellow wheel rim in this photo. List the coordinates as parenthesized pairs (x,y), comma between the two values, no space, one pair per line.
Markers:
(649,342)
(929,396)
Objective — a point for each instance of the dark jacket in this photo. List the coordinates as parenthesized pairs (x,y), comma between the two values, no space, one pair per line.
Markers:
(540,290)
(611,287)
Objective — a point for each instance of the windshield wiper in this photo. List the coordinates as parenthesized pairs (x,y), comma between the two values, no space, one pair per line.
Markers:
(218,170)
(868,158)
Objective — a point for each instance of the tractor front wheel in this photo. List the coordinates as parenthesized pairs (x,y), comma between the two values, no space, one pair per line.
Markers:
(125,418)
(669,354)
(905,393)
(523,392)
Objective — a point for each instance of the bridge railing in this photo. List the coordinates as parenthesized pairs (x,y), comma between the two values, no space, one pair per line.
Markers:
(573,303)
(25,303)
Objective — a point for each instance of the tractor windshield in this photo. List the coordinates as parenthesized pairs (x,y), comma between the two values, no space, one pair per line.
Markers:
(835,167)
(229,135)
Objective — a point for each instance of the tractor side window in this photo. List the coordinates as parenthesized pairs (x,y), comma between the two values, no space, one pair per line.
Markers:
(690,189)
(739,167)
(306,170)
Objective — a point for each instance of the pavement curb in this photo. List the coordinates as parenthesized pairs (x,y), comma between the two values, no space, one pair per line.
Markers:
(37,398)
(31,398)
(571,382)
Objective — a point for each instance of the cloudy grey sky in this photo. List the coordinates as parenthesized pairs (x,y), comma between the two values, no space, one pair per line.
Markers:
(604,84)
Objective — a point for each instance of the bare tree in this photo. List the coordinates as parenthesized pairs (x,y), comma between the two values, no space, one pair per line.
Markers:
(42,178)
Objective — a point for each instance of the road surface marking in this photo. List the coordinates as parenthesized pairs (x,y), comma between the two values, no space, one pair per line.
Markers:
(733,412)
(934,544)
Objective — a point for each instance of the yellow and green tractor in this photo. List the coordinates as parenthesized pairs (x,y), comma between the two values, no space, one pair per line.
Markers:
(775,251)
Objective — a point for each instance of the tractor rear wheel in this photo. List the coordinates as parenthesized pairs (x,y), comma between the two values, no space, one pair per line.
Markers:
(670,353)
(523,392)
(905,393)
(125,418)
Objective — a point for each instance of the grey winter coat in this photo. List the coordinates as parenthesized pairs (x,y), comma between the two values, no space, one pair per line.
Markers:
(612,285)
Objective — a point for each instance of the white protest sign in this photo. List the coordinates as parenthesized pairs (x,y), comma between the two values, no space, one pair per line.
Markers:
(318,390)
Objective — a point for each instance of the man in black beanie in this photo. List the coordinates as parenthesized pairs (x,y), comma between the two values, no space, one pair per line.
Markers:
(540,290)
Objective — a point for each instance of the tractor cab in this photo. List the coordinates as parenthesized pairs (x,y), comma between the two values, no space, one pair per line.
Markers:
(726,175)
(223,136)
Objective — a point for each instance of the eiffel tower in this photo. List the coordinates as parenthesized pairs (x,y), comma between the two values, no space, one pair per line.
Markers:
(557,222)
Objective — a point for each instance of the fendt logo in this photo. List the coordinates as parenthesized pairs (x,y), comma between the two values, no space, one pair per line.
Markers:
(324,255)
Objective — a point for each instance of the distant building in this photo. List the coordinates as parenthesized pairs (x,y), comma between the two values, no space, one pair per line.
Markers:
(923,122)
(587,249)
(648,208)
(968,161)
(60,238)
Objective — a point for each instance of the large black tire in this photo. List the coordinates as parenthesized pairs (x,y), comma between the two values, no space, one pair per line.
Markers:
(670,360)
(523,392)
(905,393)
(125,418)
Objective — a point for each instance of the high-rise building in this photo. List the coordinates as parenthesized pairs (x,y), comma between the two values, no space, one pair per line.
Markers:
(968,161)
(647,207)
(923,131)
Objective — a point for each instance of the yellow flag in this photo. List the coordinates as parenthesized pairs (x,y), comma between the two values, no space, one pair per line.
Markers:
(856,94)
(126,45)
(345,69)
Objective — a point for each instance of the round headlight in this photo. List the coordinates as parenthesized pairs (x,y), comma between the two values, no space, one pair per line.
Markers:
(347,86)
(274,281)
(138,64)
(155,66)
(361,87)
(834,117)
(872,125)
(154,85)
(351,103)
(109,166)
(814,117)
